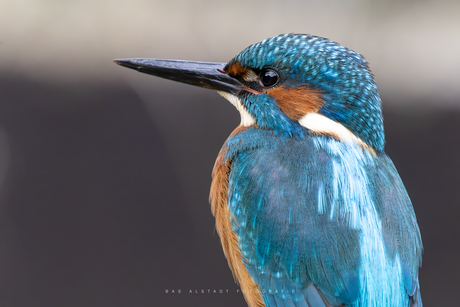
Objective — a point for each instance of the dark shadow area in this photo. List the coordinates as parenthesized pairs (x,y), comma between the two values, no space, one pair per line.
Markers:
(92,212)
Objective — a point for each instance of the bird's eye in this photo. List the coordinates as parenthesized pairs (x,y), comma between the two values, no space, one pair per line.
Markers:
(268,77)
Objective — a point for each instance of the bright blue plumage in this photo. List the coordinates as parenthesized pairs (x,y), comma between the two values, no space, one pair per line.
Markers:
(310,220)
(310,210)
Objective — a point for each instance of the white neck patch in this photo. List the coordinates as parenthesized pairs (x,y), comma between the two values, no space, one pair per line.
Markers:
(322,125)
(246,118)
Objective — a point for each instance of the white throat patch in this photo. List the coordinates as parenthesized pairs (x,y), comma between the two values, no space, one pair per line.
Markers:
(246,118)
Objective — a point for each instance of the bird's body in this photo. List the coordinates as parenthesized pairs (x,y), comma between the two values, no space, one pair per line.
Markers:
(309,208)
(315,222)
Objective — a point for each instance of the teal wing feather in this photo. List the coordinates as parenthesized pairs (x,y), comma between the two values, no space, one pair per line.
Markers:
(399,224)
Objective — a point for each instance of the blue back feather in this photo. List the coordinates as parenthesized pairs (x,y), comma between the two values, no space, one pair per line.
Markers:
(322,213)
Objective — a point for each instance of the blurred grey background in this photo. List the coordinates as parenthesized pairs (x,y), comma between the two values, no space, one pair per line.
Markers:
(105,172)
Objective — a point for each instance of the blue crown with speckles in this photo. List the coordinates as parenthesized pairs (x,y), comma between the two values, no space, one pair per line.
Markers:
(340,74)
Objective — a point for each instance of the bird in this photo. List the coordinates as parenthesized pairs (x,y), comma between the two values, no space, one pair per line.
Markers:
(310,210)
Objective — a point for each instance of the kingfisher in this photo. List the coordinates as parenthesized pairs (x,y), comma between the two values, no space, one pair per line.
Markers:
(310,210)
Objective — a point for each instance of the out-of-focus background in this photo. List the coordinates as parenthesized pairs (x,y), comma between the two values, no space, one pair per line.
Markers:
(105,172)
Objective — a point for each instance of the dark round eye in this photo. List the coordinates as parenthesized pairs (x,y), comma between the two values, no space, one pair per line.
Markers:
(268,77)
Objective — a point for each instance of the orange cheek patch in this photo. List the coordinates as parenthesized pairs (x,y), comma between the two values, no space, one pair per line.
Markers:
(295,102)
(237,70)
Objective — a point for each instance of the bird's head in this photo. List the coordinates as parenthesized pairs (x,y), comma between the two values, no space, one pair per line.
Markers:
(291,84)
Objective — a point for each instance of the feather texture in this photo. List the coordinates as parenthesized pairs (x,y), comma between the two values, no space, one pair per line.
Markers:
(219,206)
(321,217)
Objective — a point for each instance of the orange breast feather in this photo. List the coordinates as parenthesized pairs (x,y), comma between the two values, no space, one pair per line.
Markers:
(219,205)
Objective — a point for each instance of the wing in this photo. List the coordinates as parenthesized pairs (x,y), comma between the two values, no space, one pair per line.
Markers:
(288,244)
(399,224)
(296,209)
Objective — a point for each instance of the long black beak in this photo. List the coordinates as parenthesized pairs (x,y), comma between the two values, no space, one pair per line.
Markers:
(203,74)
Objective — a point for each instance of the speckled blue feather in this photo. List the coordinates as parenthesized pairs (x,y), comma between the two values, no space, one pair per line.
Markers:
(340,74)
